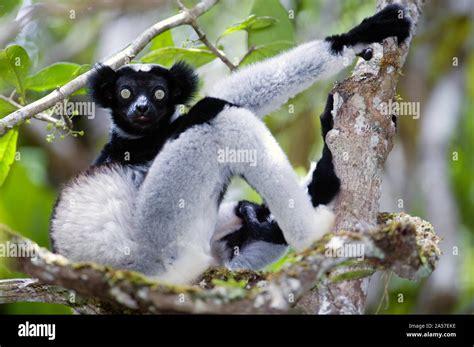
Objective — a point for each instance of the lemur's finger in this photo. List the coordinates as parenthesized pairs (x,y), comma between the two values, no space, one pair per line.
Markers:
(246,211)
(366,54)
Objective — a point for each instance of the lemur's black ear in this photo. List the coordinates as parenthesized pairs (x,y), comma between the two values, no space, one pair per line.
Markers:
(185,81)
(101,84)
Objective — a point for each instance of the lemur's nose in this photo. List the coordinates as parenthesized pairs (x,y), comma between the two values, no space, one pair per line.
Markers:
(142,108)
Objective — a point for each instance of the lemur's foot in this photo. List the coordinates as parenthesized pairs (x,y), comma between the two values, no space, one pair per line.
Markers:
(258,222)
(391,21)
(366,54)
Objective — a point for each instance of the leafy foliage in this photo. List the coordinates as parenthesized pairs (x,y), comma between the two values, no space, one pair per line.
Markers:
(8,5)
(282,30)
(53,76)
(251,23)
(7,153)
(14,66)
(166,56)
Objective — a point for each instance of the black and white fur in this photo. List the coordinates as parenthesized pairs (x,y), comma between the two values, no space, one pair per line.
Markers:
(159,215)
(257,241)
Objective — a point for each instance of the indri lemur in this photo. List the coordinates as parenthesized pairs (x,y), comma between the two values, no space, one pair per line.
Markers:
(152,200)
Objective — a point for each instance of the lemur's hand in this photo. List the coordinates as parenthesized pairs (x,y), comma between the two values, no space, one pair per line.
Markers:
(390,21)
(257,220)
(366,54)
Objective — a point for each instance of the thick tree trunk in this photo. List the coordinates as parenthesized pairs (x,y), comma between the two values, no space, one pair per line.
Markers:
(360,142)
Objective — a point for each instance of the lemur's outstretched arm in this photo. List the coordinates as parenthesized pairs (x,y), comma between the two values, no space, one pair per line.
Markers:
(263,87)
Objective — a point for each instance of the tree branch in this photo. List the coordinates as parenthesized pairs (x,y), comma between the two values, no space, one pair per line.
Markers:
(31,290)
(40,116)
(202,36)
(360,142)
(121,58)
(406,245)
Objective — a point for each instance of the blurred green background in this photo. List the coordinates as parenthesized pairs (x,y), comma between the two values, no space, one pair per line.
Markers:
(429,173)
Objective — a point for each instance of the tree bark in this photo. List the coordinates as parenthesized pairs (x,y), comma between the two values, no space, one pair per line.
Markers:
(360,142)
(98,289)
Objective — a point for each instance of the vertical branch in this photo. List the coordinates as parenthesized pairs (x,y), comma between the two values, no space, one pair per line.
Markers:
(360,142)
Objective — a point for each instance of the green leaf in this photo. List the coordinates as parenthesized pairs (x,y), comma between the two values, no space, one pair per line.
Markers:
(7,153)
(166,56)
(52,76)
(14,66)
(282,30)
(266,51)
(6,108)
(6,6)
(251,23)
(82,91)
(165,39)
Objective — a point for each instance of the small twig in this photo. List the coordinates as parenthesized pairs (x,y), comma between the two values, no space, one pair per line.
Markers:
(385,294)
(213,48)
(11,101)
(250,51)
(43,116)
(202,36)
(40,116)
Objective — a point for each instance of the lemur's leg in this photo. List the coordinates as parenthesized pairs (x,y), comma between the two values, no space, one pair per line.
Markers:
(257,240)
(263,87)
(274,179)
(253,242)
(263,242)
(324,184)
(176,209)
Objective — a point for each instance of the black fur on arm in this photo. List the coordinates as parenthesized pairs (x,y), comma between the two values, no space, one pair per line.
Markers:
(257,226)
(101,84)
(186,82)
(325,184)
(260,226)
(390,21)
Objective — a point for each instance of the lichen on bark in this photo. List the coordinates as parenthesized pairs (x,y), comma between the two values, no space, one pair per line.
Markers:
(101,289)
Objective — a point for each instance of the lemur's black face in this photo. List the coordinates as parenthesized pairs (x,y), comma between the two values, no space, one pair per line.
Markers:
(142,97)
(142,100)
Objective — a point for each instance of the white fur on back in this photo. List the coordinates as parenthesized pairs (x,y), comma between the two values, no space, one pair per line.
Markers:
(93,217)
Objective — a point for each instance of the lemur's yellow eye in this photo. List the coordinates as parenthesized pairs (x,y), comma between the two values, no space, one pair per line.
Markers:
(125,93)
(159,94)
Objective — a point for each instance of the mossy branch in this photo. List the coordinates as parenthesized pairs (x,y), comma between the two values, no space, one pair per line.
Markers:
(401,243)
